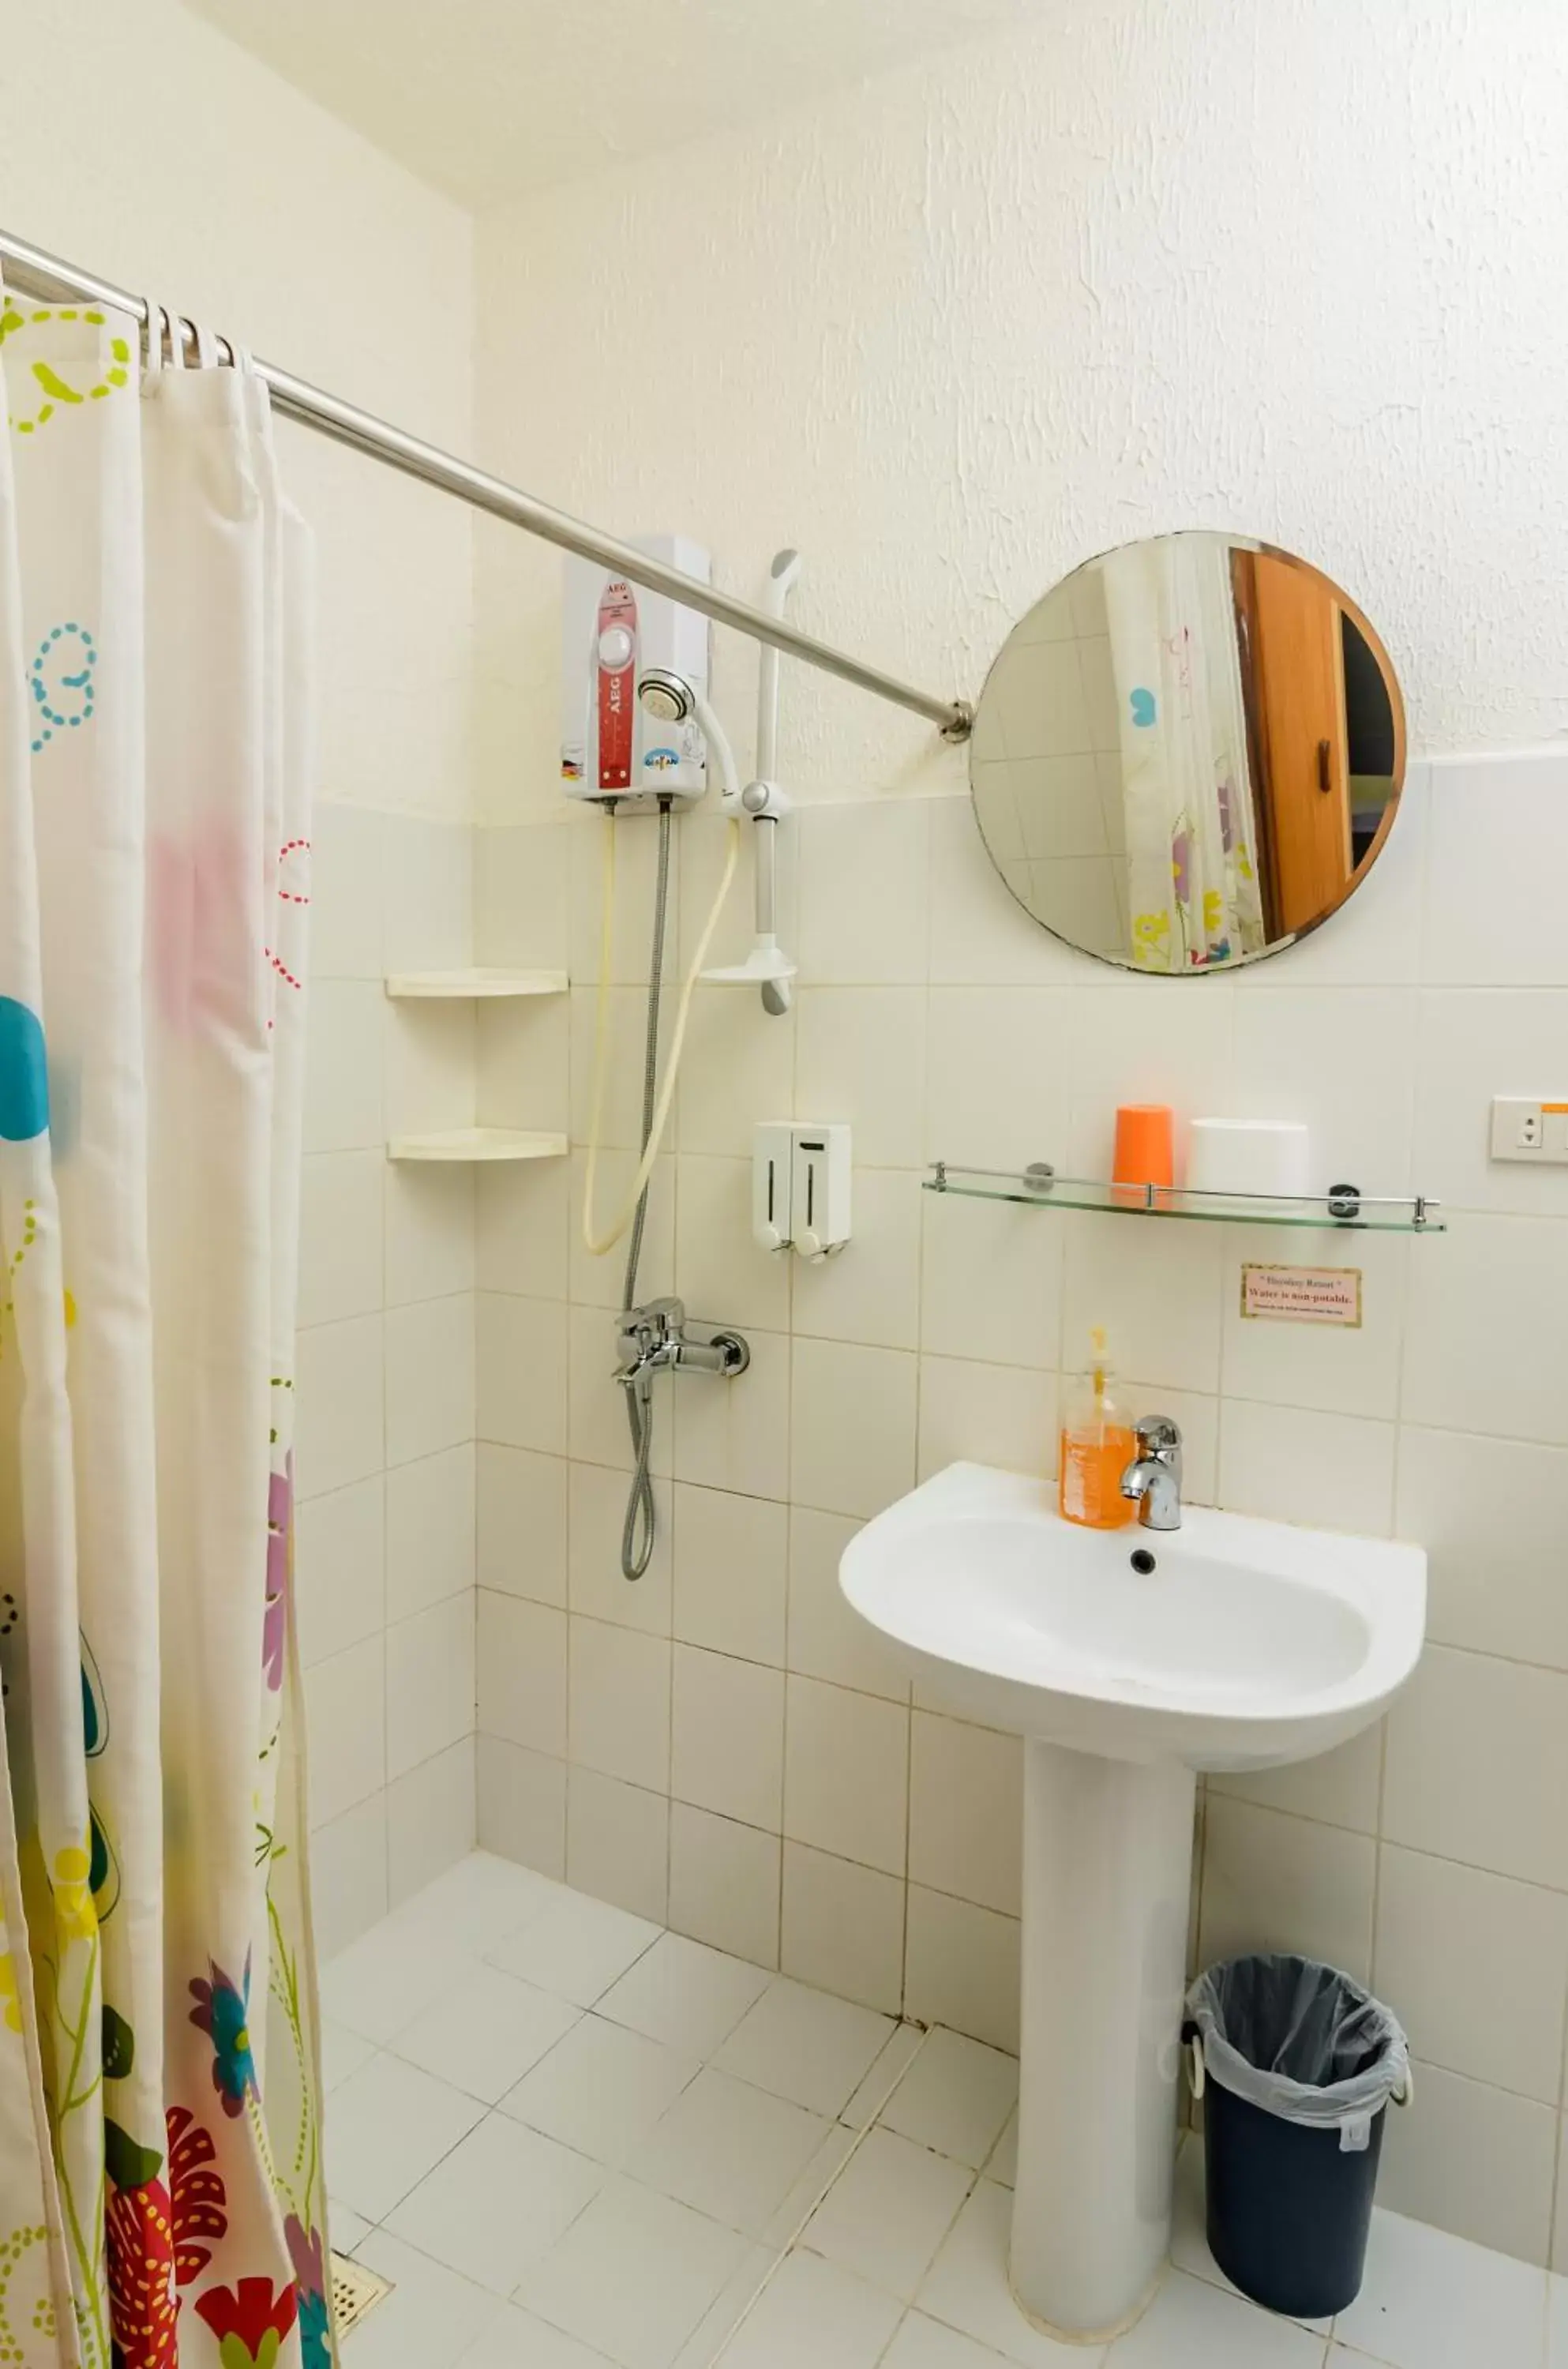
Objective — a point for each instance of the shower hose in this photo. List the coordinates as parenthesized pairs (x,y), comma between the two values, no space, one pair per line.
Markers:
(638,1530)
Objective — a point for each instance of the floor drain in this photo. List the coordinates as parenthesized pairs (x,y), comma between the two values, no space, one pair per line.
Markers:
(355,2291)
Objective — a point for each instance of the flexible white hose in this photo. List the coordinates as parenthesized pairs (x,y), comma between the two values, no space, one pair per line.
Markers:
(597,1244)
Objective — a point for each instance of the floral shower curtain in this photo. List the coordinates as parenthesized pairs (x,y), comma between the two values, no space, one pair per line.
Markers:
(1191,835)
(161,2187)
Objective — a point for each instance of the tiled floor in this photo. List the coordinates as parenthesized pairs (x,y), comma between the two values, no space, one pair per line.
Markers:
(572,2140)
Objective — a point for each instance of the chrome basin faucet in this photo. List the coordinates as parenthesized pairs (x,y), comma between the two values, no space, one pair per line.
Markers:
(1154,1477)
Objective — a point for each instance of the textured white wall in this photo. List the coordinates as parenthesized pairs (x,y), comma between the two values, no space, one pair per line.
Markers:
(1291,269)
(142,145)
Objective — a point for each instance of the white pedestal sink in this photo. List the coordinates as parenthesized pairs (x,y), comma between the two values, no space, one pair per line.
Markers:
(1238,1644)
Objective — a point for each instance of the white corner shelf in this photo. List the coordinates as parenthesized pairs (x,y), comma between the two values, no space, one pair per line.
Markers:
(474,985)
(474,1143)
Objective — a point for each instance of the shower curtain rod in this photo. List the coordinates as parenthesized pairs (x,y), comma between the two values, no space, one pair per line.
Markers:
(29,271)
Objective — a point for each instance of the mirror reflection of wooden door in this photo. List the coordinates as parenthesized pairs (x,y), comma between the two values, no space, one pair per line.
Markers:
(1297,697)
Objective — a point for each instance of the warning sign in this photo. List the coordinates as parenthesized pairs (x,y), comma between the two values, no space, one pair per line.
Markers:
(1303,1295)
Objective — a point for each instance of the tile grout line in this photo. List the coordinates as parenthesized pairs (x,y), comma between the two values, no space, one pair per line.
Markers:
(789,2244)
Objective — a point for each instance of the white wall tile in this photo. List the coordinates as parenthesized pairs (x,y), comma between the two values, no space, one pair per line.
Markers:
(727,1736)
(1343,1369)
(618,1843)
(1113,1055)
(429,1229)
(868,1291)
(730,1573)
(430,1683)
(429,1530)
(991,1282)
(1339,1788)
(621,1111)
(520,1371)
(595,1582)
(619,1717)
(636,863)
(1162,1311)
(348,1872)
(522,1672)
(428,1052)
(851,1427)
(346,1707)
(826,1639)
(429,894)
(962,1967)
(1493,1584)
(341,1562)
(724,1885)
(1476,1043)
(1297,1464)
(846,1785)
(702,846)
(1477,1969)
(522,1052)
(430,1819)
(1291,1062)
(719,1271)
(1474,2161)
(340,1235)
(980,1036)
(521,1520)
(599,1281)
(1273,1882)
(1477,1766)
(429,1377)
(1494,1280)
(844,1927)
(861,1059)
(863,893)
(1490,919)
(739,1067)
(343,1067)
(987,1415)
(346,891)
(520,896)
(340,1429)
(734,1434)
(521,1805)
(966,1812)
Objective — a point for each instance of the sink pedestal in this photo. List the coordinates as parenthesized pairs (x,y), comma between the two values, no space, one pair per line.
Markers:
(1107,1860)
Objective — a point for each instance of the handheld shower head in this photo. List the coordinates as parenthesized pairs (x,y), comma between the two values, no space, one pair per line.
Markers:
(670,698)
(667,696)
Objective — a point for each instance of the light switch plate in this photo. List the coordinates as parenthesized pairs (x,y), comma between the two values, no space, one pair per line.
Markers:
(1536,1132)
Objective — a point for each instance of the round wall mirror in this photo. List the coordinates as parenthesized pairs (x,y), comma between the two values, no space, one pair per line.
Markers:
(1188,754)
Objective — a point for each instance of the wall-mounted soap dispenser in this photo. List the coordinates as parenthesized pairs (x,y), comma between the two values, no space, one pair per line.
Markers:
(800,1187)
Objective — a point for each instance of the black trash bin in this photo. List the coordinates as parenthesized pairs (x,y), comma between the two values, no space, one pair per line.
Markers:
(1296,2064)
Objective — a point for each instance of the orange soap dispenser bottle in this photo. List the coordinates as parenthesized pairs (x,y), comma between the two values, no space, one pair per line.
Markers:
(1097,1445)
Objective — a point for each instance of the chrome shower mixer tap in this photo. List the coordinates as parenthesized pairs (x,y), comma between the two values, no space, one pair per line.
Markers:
(660,1336)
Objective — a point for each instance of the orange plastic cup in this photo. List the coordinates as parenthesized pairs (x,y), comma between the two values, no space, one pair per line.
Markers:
(1145,1148)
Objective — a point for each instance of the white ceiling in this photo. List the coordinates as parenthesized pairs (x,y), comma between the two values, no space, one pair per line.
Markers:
(490,99)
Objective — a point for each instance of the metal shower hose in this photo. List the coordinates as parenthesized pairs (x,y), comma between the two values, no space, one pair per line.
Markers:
(637,1530)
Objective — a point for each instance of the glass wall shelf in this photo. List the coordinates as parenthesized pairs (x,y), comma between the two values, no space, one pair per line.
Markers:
(1344,1210)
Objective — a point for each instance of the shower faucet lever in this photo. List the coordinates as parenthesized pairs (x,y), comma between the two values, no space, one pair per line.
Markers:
(661,1335)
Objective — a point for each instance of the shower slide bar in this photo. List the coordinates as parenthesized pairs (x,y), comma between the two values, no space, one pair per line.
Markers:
(28,270)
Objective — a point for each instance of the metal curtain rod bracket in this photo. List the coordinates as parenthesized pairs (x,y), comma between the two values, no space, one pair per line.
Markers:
(29,271)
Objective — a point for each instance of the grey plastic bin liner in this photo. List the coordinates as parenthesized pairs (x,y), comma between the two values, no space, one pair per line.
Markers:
(1300,2042)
